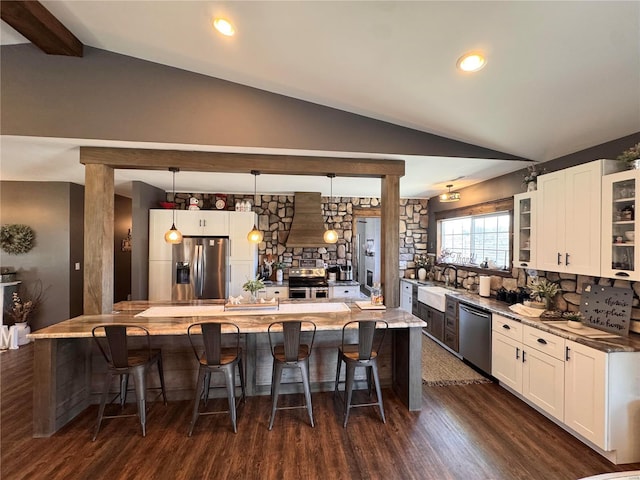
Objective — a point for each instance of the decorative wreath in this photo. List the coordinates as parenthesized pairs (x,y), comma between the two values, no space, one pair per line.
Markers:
(16,239)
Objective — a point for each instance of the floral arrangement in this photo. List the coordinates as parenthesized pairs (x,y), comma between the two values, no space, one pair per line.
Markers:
(252,286)
(532,174)
(630,155)
(23,308)
(279,266)
(421,261)
(544,289)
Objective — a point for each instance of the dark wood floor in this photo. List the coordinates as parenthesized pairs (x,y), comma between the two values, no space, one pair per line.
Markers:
(463,432)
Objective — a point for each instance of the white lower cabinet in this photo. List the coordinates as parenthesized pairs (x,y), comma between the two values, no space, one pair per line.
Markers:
(277,291)
(406,295)
(344,291)
(585,381)
(594,394)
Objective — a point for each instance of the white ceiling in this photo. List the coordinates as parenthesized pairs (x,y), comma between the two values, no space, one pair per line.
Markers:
(560,76)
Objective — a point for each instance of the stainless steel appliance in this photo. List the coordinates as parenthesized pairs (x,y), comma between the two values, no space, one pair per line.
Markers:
(346,273)
(200,268)
(308,283)
(475,337)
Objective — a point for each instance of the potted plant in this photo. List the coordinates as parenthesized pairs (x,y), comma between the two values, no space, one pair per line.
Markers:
(574,319)
(631,157)
(253,286)
(279,266)
(543,291)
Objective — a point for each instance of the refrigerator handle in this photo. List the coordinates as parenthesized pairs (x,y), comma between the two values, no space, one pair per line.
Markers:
(198,271)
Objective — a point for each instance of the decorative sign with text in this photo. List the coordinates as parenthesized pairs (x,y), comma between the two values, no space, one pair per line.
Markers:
(607,308)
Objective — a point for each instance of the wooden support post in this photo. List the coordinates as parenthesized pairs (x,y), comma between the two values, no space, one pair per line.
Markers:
(98,239)
(390,239)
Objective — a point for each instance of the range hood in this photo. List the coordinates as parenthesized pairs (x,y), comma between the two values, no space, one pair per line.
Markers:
(307,226)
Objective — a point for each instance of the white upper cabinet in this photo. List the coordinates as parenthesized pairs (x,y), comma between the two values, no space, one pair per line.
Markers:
(619,204)
(203,222)
(568,218)
(524,230)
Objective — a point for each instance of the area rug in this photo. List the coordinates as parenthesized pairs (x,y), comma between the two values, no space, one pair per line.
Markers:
(441,368)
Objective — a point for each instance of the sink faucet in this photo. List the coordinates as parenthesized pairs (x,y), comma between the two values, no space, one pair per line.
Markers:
(455,269)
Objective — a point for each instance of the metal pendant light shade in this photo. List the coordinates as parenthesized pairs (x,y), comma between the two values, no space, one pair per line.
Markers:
(255,235)
(173,235)
(330,235)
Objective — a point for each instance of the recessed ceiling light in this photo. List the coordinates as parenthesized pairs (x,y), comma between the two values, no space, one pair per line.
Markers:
(224,26)
(471,62)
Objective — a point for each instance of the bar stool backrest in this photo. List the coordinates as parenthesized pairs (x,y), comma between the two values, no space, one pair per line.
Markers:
(212,340)
(291,335)
(366,335)
(117,351)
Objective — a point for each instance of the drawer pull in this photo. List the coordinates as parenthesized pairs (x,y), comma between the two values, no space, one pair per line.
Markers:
(506,327)
(542,341)
(622,274)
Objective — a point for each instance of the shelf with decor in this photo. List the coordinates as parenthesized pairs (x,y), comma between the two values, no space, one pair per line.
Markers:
(619,201)
(524,240)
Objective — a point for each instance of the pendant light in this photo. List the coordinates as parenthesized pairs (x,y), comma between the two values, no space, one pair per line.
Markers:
(450,196)
(255,235)
(330,235)
(173,235)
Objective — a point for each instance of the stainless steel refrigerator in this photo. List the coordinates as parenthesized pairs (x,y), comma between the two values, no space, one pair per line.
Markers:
(200,268)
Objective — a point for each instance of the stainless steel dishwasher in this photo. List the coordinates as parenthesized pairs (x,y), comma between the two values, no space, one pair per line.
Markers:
(475,336)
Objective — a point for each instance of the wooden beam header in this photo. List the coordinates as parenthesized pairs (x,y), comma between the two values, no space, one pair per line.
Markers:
(146,159)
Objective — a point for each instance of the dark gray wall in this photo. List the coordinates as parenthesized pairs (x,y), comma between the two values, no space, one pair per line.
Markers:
(144,197)
(109,96)
(121,260)
(507,185)
(52,210)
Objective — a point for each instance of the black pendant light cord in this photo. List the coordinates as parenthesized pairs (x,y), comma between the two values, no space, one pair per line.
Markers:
(174,170)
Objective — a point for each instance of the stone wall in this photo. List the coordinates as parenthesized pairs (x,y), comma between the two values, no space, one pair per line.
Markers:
(275,213)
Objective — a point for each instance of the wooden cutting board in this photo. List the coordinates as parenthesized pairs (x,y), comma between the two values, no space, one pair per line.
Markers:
(366,305)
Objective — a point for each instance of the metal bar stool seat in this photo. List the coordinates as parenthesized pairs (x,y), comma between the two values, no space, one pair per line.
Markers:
(216,358)
(123,361)
(364,354)
(291,353)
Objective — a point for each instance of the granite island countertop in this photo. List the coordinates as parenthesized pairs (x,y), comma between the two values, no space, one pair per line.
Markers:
(250,321)
(618,344)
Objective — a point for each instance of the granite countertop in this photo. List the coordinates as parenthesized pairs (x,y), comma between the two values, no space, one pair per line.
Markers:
(249,321)
(618,344)
(343,283)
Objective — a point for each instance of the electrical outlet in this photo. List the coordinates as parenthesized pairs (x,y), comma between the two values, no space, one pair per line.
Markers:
(77,265)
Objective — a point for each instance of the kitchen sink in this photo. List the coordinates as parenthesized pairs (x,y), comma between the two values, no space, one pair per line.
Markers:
(433,296)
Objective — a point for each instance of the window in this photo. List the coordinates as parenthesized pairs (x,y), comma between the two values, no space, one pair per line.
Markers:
(474,239)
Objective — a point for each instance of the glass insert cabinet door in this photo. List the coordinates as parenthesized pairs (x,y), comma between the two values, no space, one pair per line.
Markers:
(524,235)
(619,199)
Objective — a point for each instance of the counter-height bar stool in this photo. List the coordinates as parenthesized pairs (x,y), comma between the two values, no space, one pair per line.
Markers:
(363,354)
(212,358)
(113,342)
(291,353)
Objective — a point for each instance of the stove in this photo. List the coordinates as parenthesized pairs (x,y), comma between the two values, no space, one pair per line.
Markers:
(308,282)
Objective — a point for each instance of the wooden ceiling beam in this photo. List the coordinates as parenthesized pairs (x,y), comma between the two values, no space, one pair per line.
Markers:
(145,159)
(32,20)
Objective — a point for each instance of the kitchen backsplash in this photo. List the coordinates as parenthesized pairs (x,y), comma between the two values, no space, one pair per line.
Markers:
(275,213)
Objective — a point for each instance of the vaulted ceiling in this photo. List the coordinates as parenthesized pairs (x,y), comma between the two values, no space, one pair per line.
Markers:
(560,76)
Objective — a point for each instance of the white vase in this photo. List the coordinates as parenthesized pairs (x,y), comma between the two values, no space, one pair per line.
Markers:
(531,187)
(22,330)
(422,274)
(279,275)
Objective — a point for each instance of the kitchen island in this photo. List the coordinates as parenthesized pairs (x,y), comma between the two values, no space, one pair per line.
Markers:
(68,367)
